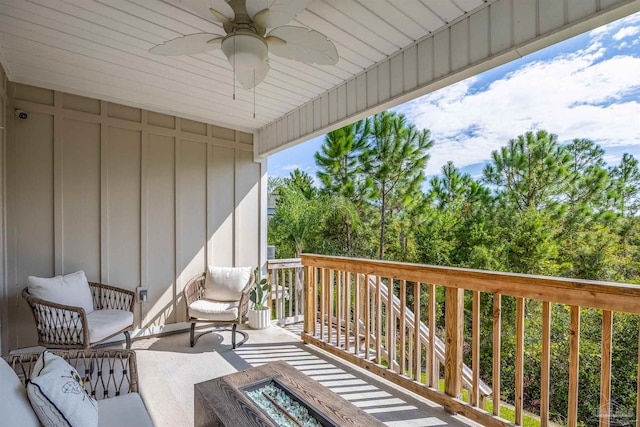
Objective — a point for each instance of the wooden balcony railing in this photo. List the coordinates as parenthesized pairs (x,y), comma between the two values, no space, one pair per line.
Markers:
(286,278)
(358,310)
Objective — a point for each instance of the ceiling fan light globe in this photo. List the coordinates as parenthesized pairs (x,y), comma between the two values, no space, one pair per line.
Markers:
(245,51)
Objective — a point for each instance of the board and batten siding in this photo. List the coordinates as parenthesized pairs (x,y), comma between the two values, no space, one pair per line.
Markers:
(4,304)
(498,32)
(132,197)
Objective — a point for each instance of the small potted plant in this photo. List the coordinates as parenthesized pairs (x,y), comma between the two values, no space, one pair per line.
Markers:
(260,313)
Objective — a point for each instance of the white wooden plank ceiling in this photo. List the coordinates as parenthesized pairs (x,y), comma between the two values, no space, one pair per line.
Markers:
(100,49)
(390,51)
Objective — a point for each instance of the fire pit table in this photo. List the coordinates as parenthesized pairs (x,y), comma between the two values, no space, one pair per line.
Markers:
(275,394)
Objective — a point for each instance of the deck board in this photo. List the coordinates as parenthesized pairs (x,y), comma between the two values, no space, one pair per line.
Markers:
(169,368)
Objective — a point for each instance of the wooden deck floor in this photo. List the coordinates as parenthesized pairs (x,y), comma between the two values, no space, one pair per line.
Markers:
(169,368)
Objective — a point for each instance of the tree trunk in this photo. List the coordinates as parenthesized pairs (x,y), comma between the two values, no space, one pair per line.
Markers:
(382,221)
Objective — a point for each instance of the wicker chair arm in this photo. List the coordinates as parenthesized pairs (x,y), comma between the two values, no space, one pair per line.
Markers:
(58,324)
(244,304)
(105,372)
(111,297)
(194,290)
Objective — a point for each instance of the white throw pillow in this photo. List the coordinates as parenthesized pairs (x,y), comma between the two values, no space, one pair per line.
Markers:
(58,396)
(227,283)
(70,289)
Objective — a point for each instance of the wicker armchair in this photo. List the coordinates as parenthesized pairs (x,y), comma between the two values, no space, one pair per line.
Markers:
(106,372)
(195,291)
(66,327)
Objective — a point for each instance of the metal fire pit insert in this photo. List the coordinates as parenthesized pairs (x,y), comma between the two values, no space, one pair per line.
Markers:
(283,406)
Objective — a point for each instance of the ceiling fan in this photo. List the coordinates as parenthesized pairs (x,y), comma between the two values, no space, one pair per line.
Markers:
(247,43)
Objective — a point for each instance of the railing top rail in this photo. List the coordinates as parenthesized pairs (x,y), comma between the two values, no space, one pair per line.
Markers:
(274,264)
(612,296)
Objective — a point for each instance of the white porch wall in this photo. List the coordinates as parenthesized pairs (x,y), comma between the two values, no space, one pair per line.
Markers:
(4,307)
(496,33)
(132,197)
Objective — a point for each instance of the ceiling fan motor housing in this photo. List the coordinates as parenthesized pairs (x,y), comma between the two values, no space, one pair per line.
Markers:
(245,50)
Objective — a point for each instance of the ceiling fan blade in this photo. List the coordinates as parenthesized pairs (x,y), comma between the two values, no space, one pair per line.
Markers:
(273,13)
(302,44)
(248,79)
(211,10)
(187,45)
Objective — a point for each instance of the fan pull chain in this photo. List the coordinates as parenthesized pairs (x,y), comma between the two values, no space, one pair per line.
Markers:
(234,68)
(254,93)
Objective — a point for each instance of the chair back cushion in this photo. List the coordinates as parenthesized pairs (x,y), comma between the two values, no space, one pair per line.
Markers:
(227,283)
(70,289)
(14,404)
(58,396)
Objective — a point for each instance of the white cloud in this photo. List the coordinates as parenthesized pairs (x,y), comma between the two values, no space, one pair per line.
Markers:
(626,32)
(613,26)
(572,95)
(290,167)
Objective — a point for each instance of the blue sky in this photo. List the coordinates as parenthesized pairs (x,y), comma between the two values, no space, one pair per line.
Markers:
(585,87)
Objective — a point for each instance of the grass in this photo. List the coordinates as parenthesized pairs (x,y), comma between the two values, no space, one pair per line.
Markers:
(506,412)
(509,414)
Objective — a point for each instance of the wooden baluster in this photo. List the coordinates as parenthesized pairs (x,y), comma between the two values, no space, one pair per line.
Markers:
(546,358)
(416,330)
(574,360)
(356,315)
(378,321)
(309,315)
(391,332)
(290,271)
(519,358)
(403,327)
(454,325)
(295,298)
(475,349)
(282,289)
(338,307)
(497,314)
(332,282)
(323,301)
(411,353)
(309,293)
(367,318)
(605,369)
(434,368)
(347,311)
(274,292)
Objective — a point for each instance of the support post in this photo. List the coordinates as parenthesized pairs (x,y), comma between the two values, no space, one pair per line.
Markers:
(454,318)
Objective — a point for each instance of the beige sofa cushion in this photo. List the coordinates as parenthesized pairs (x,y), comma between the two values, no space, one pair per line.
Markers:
(214,310)
(126,410)
(103,323)
(227,283)
(14,404)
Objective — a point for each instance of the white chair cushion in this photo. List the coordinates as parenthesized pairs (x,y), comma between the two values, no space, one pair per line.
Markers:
(70,289)
(58,396)
(103,323)
(214,310)
(227,283)
(126,410)
(14,404)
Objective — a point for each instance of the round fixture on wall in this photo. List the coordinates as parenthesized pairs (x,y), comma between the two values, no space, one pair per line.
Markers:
(21,114)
